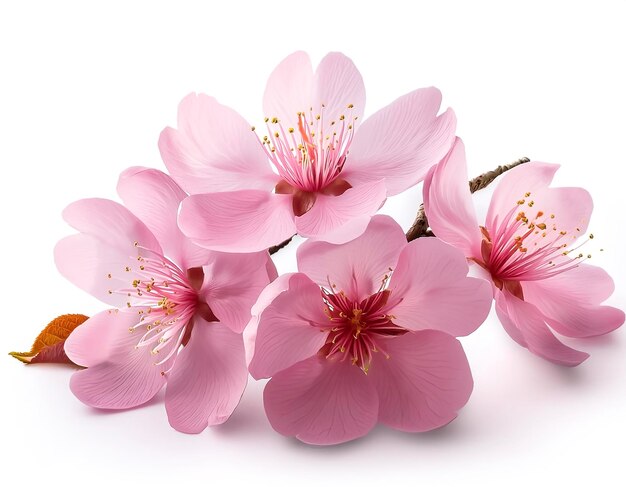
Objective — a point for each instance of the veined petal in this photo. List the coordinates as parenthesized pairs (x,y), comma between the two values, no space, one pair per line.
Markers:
(359,266)
(430,290)
(238,221)
(572,300)
(527,178)
(338,88)
(321,401)
(531,324)
(154,197)
(289,89)
(287,331)
(448,203)
(208,379)
(213,149)
(425,381)
(120,374)
(401,142)
(232,284)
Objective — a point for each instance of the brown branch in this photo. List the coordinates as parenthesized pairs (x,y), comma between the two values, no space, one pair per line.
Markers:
(420,225)
(277,247)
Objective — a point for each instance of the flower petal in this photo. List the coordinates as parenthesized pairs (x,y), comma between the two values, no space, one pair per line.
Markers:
(238,221)
(102,258)
(208,378)
(289,89)
(359,266)
(426,380)
(448,203)
(95,340)
(401,142)
(321,401)
(539,339)
(127,377)
(330,213)
(337,85)
(277,286)
(286,332)
(110,223)
(232,284)
(572,300)
(154,197)
(214,149)
(513,186)
(430,290)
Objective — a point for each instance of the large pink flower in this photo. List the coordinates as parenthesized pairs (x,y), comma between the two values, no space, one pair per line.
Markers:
(365,333)
(178,319)
(315,173)
(526,244)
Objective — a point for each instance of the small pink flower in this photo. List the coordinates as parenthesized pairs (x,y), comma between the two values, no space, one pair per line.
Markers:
(194,298)
(526,246)
(315,173)
(365,333)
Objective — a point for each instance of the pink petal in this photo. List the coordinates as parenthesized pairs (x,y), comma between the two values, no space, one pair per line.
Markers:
(238,221)
(110,223)
(322,402)
(288,89)
(448,203)
(539,339)
(232,284)
(430,290)
(154,197)
(513,186)
(127,377)
(208,379)
(337,85)
(330,213)
(359,266)
(106,247)
(572,301)
(424,383)
(401,142)
(269,293)
(287,331)
(507,323)
(95,341)
(214,149)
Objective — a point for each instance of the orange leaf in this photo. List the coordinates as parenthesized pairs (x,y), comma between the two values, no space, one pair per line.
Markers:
(48,346)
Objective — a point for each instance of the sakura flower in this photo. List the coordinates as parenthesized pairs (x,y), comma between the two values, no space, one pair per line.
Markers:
(525,245)
(315,172)
(180,309)
(365,333)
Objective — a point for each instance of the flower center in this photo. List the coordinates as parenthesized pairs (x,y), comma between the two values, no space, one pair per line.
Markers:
(166,299)
(527,245)
(357,329)
(310,156)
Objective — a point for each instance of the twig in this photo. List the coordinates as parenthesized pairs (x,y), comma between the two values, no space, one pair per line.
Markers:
(276,248)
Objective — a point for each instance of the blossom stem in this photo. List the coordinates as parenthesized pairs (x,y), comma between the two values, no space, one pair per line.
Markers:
(420,225)
(272,250)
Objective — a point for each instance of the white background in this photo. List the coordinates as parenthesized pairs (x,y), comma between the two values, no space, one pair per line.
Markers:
(85,91)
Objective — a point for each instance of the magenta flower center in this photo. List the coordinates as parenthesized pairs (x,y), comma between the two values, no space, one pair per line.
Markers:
(165,298)
(357,329)
(309,157)
(527,245)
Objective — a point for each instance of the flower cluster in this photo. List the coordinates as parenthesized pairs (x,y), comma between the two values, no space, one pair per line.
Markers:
(366,330)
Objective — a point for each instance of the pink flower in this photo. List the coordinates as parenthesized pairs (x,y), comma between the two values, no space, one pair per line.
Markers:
(365,333)
(525,247)
(315,173)
(194,298)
